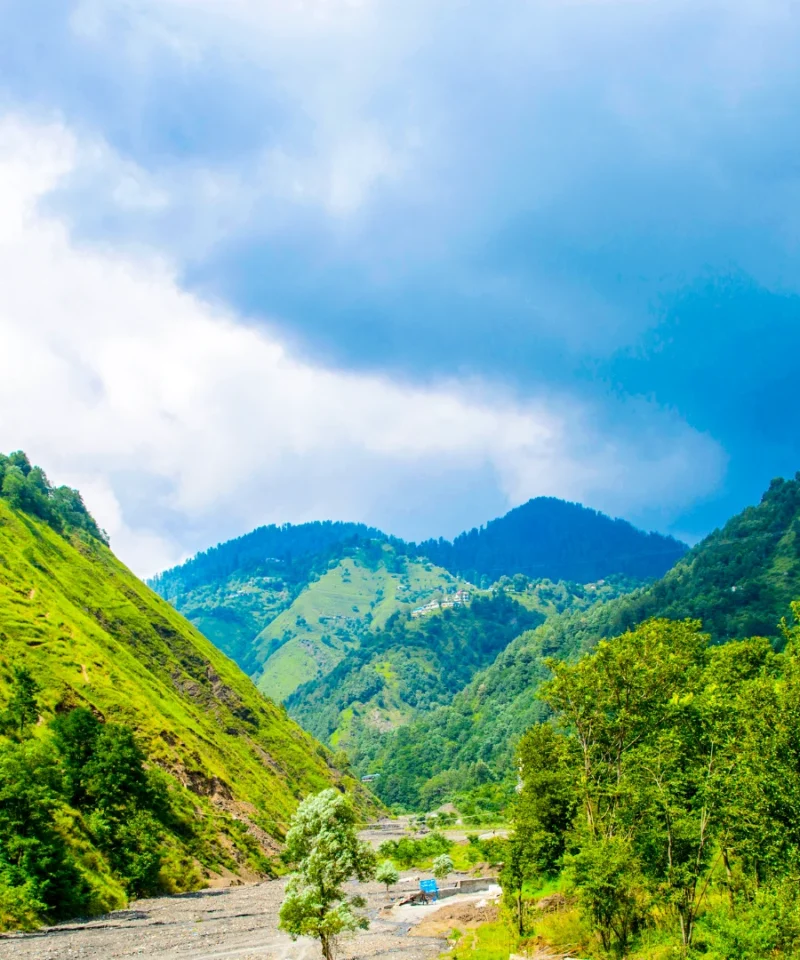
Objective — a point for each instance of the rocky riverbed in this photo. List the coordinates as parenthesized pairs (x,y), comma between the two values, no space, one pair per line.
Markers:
(238,923)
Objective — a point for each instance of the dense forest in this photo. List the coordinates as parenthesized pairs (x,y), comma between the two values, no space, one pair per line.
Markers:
(740,581)
(666,792)
(551,538)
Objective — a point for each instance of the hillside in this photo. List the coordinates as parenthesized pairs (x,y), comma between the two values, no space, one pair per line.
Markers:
(339,611)
(740,581)
(557,540)
(288,602)
(416,665)
(78,630)
(232,591)
(409,666)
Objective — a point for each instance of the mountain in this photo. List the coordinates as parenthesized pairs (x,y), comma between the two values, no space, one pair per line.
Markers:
(232,591)
(556,540)
(288,602)
(416,664)
(408,666)
(340,611)
(739,582)
(81,637)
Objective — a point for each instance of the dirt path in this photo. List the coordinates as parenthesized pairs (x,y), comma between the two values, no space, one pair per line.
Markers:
(240,923)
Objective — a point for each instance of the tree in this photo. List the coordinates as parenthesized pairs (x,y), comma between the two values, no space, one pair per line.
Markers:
(323,843)
(23,706)
(387,873)
(442,866)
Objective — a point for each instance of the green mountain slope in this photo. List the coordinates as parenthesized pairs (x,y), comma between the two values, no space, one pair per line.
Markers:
(556,540)
(409,666)
(740,581)
(92,635)
(276,603)
(339,611)
(234,590)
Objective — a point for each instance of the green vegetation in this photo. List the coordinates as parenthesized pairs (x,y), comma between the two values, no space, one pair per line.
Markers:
(553,539)
(387,874)
(340,610)
(740,581)
(667,790)
(287,603)
(81,637)
(442,866)
(408,667)
(324,845)
(414,851)
(232,591)
(26,488)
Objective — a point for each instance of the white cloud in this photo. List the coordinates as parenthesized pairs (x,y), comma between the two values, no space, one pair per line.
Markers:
(167,411)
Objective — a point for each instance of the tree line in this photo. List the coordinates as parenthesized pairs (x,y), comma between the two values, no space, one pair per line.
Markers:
(84,821)
(665,789)
(26,488)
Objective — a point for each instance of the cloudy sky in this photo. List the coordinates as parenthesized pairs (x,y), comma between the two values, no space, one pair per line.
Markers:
(409,262)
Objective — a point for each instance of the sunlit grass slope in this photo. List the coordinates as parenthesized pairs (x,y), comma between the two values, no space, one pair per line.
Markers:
(94,635)
(351,600)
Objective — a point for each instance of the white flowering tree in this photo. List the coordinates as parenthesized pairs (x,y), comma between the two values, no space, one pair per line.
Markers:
(323,843)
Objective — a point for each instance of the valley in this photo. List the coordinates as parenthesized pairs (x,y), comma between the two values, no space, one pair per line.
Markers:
(402,684)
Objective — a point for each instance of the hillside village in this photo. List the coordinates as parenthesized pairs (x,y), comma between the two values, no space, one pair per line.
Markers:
(459,599)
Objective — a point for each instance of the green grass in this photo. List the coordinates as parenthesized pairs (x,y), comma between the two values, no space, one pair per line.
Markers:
(331,614)
(491,941)
(94,635)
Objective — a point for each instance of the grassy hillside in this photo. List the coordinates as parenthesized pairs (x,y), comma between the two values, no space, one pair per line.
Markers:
(232,591)
(409,666)
(340,610)
(740,581)
(92,635)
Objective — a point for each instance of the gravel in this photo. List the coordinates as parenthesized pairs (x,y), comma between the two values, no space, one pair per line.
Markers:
(238,923)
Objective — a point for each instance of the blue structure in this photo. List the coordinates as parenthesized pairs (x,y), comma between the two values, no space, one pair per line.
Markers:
(429,887)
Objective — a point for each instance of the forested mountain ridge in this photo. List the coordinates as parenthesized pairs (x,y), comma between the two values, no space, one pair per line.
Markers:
(287,602)
(740,581)
(557,540)
(145,754)
(408,666)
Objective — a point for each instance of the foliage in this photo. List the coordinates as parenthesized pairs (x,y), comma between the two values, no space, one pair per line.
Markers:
(546,537)
(323,842)
(740,581)
(387,873)
(412,851)
(684,762)
(22,710)
(147,685)
(27,488)
(409,667)
(442,866)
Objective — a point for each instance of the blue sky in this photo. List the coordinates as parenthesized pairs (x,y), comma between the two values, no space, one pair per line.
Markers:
(405,262)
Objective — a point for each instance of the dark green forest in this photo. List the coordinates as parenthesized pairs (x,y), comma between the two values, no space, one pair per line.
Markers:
(665,791)
(410,666)
(27,488)
(552,538)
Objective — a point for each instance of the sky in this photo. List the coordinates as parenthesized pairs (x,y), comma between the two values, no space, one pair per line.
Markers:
(409,262)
